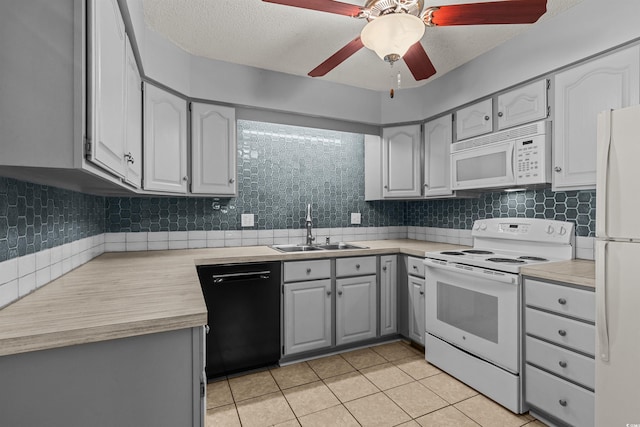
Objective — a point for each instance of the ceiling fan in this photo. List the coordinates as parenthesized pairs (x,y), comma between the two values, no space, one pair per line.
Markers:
(395,27)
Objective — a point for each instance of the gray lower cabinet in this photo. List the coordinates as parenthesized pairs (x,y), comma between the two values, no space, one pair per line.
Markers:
(416,299)
(388,294)
(559,352)
(356,314)
(147,380)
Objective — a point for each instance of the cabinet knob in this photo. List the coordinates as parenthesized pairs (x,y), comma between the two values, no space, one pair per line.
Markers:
(557,169)
(231,181)
(308,270)
(562,332)
(562,364)
(357,266)
(339,292)
(415,267)
(384,268)
(328,293)
(562,301)
(562,402)
(185,178)
(421,292)
(486,118)
(386,187)
(426,185)
(500,114)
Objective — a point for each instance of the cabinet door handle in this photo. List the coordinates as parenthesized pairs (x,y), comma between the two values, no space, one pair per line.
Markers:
(486,118)
(500,114)
(562,332)
(562,301)
(557,169)
(185,178)
(384,268)
(562,402)
(421,292)
(357,266)
(339,292)
(386,187)
(328,293)
(231,181)
(308,270)
(562,364)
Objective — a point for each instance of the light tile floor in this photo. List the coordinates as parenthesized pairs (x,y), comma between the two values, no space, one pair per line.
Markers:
(386,385)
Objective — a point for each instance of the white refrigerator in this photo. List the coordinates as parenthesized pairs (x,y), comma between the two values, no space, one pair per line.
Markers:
(617,358)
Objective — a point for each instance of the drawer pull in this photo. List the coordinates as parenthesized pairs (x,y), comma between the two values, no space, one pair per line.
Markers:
(562,301)
(308,270)
(562,364)
(562,332)
(562,402)
(357,266)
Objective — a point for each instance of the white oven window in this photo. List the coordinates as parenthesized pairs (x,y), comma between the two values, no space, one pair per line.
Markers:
(468,310)
(487,166)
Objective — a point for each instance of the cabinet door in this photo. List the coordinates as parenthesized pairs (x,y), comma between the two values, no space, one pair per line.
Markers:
(213,149)
(356,315)
(165,141)
(401,161)
(438,135)
(523,105)
(581,93)
(388,295)
(133,119)
(416,309)
(108,87)
(307,316)
(474,120)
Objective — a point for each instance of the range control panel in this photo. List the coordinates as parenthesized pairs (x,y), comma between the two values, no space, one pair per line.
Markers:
(533,156)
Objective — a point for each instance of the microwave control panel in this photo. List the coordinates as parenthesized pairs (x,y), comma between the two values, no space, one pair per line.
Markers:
(532,160)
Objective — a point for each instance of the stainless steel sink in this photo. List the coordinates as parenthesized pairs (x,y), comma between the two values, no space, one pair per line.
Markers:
(295,248)
(305,248)
(340,246)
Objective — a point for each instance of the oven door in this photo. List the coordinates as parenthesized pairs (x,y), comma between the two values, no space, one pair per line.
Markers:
(483,167)
(474,309)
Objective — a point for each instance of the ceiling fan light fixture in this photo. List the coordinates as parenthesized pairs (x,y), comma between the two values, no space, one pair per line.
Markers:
(391,36)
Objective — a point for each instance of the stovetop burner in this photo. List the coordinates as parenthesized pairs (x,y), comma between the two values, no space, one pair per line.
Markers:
(532,258)
(451,253)
(478,252)
(506,260)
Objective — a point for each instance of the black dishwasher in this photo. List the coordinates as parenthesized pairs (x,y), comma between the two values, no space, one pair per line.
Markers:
(243,305)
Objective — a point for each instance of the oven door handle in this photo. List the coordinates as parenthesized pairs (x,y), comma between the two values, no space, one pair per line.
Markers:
(472,271)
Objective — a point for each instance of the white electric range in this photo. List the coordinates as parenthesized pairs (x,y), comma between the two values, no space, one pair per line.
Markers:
(473,302)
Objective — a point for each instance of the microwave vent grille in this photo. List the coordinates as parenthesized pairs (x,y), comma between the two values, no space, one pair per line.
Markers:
(522,131)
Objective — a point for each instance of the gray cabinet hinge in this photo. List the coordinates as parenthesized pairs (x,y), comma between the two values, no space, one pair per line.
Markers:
(87,147)
(142,86)
(548,110)
(190,104)
(548,84)
(282,349)
(202,389)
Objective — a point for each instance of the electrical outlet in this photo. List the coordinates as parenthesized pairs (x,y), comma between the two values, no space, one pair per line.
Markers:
(356,218)
(247,220)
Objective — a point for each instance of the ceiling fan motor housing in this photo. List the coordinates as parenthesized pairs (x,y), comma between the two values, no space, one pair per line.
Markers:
(384,7)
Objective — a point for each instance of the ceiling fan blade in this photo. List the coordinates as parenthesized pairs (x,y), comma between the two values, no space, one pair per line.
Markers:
(329,6)
(337,58)
(418,62)
(497,12)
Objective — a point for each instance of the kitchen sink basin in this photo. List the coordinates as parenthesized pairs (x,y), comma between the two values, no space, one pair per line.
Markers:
(305,248)
(339,246)
(295,248)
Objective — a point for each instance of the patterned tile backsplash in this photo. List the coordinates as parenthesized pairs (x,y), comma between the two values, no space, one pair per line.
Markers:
(36,217)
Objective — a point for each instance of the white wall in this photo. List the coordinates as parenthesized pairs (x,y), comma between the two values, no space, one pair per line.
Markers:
(588,28)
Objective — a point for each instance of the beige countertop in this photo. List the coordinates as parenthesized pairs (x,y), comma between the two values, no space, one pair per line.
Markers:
(123,294)
(576,271)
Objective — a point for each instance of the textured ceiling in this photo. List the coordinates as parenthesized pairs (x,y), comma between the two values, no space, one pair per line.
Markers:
(294,41)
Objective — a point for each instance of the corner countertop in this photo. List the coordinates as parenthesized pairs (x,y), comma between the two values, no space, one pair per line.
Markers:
(576,271)
(124,294)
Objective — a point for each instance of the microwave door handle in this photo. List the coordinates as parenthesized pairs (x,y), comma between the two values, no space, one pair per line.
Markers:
(512,162)
(604,150)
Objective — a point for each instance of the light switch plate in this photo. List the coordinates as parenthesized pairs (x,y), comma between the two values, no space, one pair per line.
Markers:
(356,218)
(247,220)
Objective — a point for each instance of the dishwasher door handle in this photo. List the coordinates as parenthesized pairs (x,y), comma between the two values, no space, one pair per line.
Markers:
(260,275)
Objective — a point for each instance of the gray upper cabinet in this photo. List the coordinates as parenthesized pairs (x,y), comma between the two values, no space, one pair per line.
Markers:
(165,141)
(609,82)
(438,135)
(133,140)
(213,150)
(523,105)
(474,120)
(108,81)
(401,162)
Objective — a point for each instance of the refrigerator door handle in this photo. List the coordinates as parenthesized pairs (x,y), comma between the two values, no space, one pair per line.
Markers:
(604,148)
(601,301)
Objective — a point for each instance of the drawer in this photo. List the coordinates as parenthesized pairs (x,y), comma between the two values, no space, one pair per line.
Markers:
(561,299)
(415,266)
(568,332)
(568,402)
(296,271)
(566,363)
(358,266)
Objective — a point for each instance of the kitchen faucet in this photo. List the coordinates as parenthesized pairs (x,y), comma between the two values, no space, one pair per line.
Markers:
(309,223)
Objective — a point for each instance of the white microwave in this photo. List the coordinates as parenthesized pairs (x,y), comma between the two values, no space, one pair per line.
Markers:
(519,156)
